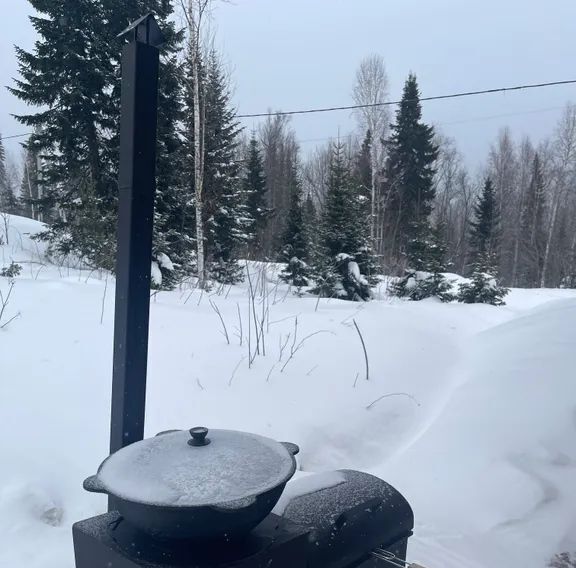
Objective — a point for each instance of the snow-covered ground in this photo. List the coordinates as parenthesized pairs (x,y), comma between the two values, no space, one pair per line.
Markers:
(479,431)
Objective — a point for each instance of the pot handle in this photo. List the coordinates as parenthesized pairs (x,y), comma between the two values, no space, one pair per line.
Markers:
(94,485)
(292,448)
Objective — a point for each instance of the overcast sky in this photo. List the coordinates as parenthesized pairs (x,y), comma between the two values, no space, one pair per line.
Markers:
(291,54)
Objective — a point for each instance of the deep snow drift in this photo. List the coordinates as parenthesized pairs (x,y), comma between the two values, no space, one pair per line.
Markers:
(478,431)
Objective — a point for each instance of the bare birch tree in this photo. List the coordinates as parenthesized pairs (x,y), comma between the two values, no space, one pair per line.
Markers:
(315,175)
(526,155)
(279,153)
(371,87)
(564,179)
(503,169)
(454,200)
(194,13)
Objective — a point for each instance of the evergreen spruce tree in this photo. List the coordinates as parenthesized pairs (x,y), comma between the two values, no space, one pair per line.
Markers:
(485,227)
(295,245)
(409,171)
(74,71)
(363,179)
(533,229)
(70,73)
(484,287)
(172,244)
(227,218)
(344,249)
(254,188)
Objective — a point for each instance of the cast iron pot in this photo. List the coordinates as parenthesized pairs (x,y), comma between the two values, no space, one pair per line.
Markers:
(181,485)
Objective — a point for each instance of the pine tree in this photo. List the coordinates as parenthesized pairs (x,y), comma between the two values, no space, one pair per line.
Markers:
(363,178)
(409,170)
(295,245)
(70,73)
(532,228)
(172,242)
(483,287)
(254,188)
(73,71)
(344,250)
(486,225)
(227,219)
(171,251)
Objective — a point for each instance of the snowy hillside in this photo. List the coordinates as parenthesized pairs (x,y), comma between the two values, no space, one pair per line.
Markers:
(478,431)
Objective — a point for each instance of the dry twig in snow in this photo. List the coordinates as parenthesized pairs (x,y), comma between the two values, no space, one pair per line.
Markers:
(364,348)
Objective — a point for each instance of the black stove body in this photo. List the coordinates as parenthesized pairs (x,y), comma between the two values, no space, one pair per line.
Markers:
(332,527)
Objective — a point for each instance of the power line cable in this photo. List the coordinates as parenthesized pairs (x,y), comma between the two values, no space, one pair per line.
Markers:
(385,103)
(388,103)
(16,136)
(453,123)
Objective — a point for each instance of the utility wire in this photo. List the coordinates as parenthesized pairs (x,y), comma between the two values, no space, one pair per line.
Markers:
(16,136)
(385,103)
(452,123)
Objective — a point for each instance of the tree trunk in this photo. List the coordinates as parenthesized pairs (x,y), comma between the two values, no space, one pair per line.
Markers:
(40,189)
(29,186)
(373,196)
(549,243)
(198,176)
(194,28)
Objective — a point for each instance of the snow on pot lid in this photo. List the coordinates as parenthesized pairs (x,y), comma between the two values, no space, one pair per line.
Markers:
(191,469)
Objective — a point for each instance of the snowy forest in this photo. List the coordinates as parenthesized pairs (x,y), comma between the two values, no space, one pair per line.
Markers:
(393,197)
(287,271)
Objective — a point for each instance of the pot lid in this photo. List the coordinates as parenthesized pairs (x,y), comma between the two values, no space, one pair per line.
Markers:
(197,468)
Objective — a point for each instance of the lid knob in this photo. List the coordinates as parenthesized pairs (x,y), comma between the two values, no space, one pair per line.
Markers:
(199,438)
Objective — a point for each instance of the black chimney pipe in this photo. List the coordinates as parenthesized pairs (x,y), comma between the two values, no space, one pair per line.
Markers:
(137,186)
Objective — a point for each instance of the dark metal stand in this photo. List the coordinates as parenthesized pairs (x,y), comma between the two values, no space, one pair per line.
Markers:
(137,186)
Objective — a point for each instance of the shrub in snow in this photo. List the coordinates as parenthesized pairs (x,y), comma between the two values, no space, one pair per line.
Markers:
(418,285)
(226,271)
(11,271)
(343,279)
(296,272)
(483,287)
(424,278)
(164,273)
(568,281)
